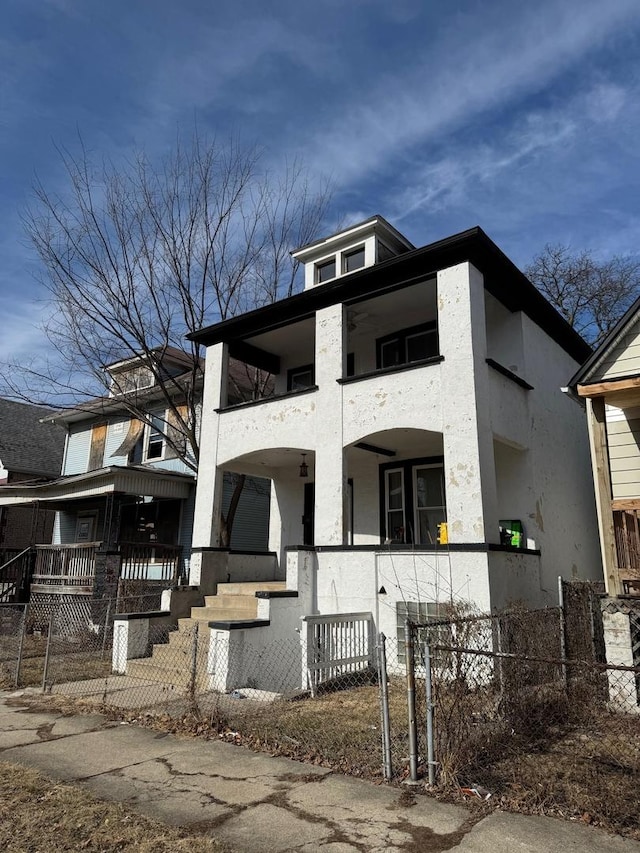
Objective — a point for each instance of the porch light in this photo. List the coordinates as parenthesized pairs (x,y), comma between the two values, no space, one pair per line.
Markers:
(304,468)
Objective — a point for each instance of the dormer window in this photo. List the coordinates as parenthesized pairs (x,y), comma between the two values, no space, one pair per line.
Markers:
(350,250)
(353,260)
(326,270)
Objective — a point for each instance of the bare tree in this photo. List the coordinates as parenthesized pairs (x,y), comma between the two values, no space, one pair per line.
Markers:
(591,295)
(135,256)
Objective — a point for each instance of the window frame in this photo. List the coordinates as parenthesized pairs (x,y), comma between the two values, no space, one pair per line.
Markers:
(150,431)
(348,253)
(305,368)
(322,265)
(408,466)
(402,336)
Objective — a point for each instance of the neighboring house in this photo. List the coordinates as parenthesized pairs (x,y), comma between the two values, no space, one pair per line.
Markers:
(124,501)
(609,384)
(418,443)
(30,452)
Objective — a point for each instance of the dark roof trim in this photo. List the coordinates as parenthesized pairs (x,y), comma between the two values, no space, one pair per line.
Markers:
(502,279)
(607,344)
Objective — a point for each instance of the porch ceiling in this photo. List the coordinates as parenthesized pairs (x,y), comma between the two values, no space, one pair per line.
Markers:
(404,443)
(130,480)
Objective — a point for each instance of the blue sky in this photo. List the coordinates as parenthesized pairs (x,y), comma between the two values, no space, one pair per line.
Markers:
(521,118)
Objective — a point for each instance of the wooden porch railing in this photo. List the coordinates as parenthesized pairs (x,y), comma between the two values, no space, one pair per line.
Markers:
(335,645)
(150,561)
(65,568)
(626,524)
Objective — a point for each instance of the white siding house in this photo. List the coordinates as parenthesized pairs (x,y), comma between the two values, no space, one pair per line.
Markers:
(416,438)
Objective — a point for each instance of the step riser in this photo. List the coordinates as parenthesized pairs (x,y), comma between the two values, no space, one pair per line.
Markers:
(250,588)
(229,601)
(215,614)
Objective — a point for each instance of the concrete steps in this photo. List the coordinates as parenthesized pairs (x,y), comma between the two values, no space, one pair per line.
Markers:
(171,663)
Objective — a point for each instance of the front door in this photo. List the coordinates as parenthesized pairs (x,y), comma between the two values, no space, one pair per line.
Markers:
(85,528)
(308,513)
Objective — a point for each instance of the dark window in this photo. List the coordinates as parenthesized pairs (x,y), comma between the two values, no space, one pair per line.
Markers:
(155,442)
(325,271)
(299,378)
(407,345)
(353,260)
(413,503)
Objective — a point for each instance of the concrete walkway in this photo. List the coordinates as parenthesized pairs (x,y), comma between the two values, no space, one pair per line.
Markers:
(258,804)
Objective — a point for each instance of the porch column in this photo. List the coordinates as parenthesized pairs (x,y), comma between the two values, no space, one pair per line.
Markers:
(206,522)
(602,485)
(470,471)
(330,474)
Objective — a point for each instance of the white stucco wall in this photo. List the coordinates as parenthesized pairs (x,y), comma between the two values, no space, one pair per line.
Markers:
(562,518)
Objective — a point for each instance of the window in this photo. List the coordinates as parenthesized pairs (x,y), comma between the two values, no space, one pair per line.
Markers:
(353,260)
(325,271)
(421,612)
(299,378)
(428,501)
(394,500)
(413,503)
(155,439)
(407,345)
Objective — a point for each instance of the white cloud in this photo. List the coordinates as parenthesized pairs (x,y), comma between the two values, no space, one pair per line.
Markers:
(478,64)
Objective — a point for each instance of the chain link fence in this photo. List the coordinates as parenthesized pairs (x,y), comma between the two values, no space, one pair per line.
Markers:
(484,705)
(12,634)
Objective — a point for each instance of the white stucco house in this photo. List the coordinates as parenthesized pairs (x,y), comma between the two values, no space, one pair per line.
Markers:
(418,443)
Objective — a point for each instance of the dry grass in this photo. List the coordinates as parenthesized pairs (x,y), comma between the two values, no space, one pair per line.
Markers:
(69,661)
(38,815)
(544,758)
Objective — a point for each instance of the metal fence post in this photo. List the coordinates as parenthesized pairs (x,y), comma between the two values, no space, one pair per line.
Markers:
(106,628)
(47,652)
(387,769)
(563,630)
(194,664)
(431,764)
(23,631)
(411,701)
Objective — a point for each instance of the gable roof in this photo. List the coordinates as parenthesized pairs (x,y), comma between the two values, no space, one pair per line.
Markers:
(28,446)
(502,279)
(607,347)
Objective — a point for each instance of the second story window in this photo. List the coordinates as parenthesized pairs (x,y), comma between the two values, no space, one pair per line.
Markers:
(299,378)
(155,440)
(407,345)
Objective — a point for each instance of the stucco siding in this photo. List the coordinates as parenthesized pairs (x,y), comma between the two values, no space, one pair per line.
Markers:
(406,399)
(290,422)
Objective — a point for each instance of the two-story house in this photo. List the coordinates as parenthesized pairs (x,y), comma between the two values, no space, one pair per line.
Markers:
(418,443)
(124,500)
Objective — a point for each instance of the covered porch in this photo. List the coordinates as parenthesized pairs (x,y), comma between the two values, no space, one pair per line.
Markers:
(117,529)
